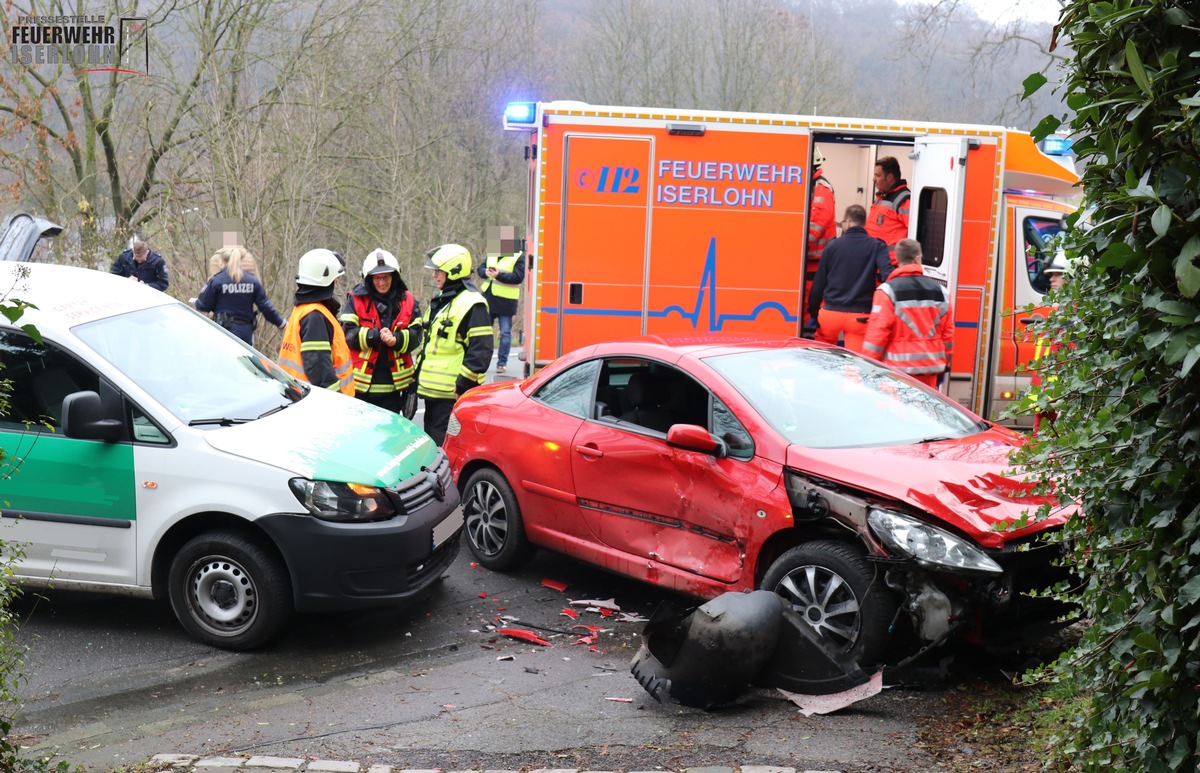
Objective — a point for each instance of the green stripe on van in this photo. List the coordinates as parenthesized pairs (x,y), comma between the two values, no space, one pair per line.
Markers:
(44,473)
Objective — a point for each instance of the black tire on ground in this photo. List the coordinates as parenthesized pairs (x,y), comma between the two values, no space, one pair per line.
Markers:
(228,591)
(833,586)
(495,530)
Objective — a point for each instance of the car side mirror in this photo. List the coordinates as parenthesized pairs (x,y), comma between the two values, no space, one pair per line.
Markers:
(84,419)
(693,437)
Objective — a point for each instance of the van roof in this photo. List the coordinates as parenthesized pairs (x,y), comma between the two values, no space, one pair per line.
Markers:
(66,295)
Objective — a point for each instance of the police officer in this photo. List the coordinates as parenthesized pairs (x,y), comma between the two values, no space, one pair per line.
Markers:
(143,264)
(378,320)
(232,294)
(458,344)
(314,347)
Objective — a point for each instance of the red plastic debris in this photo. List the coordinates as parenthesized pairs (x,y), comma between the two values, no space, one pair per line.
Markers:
(474,565)
(483,594)
(519,633)
(571,613)
(605,612)
(554,585)
(593,629)
(585,640)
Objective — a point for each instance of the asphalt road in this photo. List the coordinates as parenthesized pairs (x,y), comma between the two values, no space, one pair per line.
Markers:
(113,681)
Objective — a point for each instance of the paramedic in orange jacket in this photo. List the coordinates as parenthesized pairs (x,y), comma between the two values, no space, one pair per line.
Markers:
(912,325)
(888,218)
(822,220)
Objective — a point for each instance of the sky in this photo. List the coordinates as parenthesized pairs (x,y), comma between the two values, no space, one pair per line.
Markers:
(1005,11)
(1009,10)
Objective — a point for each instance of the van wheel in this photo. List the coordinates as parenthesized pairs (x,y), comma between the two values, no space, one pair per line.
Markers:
(495,530)
(839,593)
(229,592)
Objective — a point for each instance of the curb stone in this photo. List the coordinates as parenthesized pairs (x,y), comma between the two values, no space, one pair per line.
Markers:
(197,764)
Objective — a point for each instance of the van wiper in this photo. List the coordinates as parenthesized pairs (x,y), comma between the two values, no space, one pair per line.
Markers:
(224,422)
(276,409)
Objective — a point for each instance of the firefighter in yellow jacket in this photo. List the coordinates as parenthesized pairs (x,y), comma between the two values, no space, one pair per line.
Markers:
(314,347)
(458,343)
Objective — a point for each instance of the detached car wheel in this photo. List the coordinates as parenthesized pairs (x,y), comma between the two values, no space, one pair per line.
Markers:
(229,592)
(495,531)
(833,586)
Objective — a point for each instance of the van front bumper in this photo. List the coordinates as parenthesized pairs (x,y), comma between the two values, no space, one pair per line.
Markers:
(338,566)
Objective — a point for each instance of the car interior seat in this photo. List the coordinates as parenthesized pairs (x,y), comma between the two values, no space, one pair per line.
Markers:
(647,397)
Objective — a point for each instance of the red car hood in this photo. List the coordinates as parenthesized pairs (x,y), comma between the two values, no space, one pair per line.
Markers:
(965,482)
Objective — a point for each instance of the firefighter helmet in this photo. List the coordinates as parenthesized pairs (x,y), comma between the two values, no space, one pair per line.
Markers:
(319,268)
(1060,264)
(818,157)
(454,259)
(380,261)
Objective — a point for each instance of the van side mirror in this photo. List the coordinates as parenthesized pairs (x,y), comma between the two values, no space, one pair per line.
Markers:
(693,437)
(84,419)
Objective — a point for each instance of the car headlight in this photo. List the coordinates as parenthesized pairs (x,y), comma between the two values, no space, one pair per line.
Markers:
(929,545)
(346,502)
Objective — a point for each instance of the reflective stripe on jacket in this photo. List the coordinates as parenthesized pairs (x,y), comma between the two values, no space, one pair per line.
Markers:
(888,218)
(446,346)
(822,222)
(911,327)
(291,351)
(366,317)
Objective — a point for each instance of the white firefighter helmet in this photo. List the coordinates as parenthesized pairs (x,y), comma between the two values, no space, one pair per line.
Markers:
(1060,264)
(319,268)
(818,157)
(454,259)
(380,261)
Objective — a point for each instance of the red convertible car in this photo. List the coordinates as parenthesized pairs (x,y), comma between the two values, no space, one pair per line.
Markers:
(713,464)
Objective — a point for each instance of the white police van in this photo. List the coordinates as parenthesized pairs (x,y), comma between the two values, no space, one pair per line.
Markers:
(148,451)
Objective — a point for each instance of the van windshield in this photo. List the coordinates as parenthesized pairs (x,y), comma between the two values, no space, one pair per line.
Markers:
(192,367)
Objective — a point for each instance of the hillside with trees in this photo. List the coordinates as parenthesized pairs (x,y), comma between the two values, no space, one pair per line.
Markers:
(360,123)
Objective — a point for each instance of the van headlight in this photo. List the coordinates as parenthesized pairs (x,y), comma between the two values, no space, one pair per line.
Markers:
(346,502)
(929,545)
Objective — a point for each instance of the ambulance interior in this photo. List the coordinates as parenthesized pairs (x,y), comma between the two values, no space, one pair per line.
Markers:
(850,167)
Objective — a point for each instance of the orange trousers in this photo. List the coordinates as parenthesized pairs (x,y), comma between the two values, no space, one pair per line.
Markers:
(844,323)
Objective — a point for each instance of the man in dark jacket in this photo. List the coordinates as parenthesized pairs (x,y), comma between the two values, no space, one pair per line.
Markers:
(853,265)
(142,264)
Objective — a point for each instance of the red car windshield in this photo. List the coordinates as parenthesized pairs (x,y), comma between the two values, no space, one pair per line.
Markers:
(830,398)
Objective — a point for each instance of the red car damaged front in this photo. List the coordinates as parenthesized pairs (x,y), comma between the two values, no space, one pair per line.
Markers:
(876,506)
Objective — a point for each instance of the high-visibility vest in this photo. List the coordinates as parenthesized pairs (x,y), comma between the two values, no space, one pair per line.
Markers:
(291,360)
(442,355)
(367,318)
(498,288)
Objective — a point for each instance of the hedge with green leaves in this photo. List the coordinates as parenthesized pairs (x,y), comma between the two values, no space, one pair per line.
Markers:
(1125,383)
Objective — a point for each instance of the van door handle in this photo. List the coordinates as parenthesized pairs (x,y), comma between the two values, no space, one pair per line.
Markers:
(1031,320)
(589,450)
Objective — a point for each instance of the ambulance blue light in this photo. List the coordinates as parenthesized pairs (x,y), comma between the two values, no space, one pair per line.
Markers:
(520,113)
(1054,145)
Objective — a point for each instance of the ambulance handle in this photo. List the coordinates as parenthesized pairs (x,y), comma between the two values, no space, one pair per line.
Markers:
(1030,320)
(575,293)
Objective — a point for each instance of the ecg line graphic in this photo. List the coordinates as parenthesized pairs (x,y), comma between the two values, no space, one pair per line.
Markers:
(706,287)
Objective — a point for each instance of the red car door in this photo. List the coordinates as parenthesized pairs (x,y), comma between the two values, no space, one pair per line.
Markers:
(645,498)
